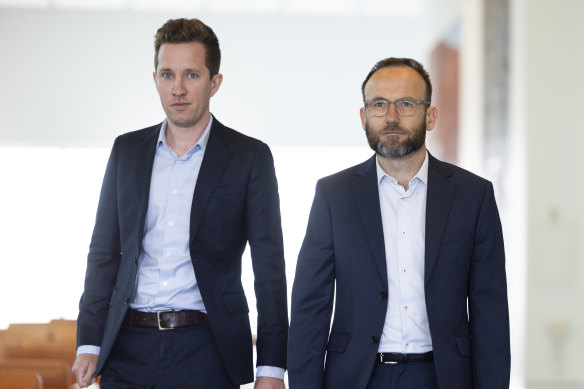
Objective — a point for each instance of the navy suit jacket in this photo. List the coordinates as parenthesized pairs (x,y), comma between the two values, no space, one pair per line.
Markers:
(235,201)
(344,250)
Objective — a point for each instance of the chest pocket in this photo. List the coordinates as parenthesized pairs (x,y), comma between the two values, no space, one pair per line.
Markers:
(229,190)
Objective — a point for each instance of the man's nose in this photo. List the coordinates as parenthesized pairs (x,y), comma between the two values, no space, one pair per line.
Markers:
(392,116)
(178,88)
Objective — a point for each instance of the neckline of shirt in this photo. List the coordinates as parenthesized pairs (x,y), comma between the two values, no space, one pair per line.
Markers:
(200,145)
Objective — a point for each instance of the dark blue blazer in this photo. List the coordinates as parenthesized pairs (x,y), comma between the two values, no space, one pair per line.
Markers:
(235,201)
(342,263)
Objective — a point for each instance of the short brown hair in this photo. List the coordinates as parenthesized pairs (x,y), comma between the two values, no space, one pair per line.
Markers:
(412,63)
(190,30)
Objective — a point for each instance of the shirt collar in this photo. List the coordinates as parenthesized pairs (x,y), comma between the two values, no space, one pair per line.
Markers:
(201,143)
(422,173)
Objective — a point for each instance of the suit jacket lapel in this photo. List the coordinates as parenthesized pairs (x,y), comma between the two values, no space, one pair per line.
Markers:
(143,173)
(365,190)
(217,156)
(439,199)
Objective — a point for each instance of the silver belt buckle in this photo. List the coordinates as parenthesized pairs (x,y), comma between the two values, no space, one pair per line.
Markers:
(160,327)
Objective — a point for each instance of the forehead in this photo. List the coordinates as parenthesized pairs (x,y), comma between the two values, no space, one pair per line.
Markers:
(184,55)
(395,82)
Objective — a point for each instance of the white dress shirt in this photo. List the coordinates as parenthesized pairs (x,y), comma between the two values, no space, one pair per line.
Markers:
(403,215)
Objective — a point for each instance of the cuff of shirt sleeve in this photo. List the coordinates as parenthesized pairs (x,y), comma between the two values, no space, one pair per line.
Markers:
(270,371)
(85,349)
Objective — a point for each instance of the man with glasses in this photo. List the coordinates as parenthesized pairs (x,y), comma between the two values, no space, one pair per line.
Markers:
(408,250)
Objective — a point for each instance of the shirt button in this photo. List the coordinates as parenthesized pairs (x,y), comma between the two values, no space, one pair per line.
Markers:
(374,339)
(406,308)
(164,283)
(173,191)
(171,223)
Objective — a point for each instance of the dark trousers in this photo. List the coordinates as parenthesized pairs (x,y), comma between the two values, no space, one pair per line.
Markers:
(410,375)
(182,358)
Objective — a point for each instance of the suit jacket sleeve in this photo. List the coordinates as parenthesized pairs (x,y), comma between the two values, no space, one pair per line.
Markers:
(488,309)
(102,261)
(267,252)
(312,299)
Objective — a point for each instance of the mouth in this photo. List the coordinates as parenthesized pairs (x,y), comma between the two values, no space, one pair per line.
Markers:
(180,106)
(393,131)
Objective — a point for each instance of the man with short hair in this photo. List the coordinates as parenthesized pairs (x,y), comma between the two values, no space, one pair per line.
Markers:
(163,305)
(409,250)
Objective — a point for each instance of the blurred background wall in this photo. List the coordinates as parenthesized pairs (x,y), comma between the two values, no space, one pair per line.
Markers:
(508,76)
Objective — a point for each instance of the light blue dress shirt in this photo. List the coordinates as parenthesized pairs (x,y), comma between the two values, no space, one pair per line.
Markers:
(165,278)
(403,215)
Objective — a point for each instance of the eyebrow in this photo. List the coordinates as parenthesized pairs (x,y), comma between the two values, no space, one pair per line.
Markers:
(184,71)
(401,98)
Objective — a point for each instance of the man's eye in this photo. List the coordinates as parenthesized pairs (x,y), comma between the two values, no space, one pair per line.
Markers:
(379,104)
(192,75)
(406,103)
(165,75)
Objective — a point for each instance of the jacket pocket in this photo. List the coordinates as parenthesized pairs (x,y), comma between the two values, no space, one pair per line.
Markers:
(337,342)
(464,347)
(235,302)
(228,190)
(457,237)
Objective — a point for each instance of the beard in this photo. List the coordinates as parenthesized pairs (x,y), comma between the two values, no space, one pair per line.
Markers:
(391,147)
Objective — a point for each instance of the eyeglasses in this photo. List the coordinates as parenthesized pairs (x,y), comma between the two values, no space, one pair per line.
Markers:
(404,107)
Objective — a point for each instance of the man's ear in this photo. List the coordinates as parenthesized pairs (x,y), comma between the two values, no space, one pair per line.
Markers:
(363,117)
(216,83)
(431,117)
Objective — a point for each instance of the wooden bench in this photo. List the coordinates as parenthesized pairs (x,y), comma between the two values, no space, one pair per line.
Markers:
(55,374)
(20,379)
(45,348)
(54,340)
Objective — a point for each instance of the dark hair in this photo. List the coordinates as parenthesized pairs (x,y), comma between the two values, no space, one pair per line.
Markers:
(391,62)
(190,30)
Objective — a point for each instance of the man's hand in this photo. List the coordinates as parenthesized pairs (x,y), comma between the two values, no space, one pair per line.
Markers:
(84,368)
(269,383)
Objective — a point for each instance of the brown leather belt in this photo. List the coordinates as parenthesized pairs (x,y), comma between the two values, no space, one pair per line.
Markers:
(393,358)
(165,320)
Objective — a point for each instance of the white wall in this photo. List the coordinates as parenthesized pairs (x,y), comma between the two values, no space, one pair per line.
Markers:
(82,77)
(554,135)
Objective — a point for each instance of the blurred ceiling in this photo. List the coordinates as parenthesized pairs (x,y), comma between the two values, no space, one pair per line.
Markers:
(319,7)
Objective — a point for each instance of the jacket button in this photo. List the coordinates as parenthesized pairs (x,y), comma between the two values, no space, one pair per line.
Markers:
(126,299)
(374,340)
(383,295)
